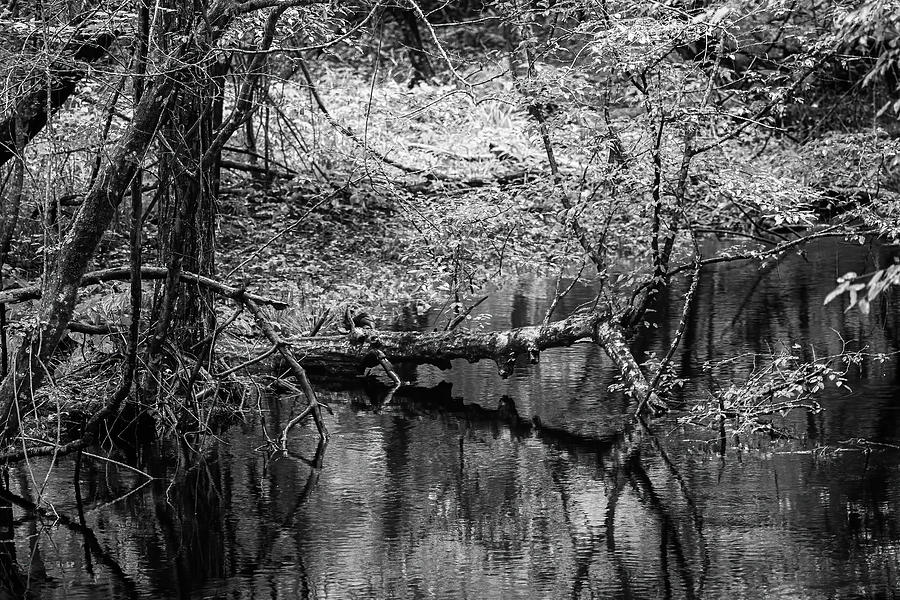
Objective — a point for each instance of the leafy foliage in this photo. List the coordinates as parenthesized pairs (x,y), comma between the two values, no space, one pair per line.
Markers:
(778,384)
(873,284)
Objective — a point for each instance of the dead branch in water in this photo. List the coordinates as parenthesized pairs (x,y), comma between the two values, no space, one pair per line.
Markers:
(314,406)
(366,348)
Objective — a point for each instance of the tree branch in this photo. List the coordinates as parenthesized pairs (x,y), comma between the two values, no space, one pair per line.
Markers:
(124,274)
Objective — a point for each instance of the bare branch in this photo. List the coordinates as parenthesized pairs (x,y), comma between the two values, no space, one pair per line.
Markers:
(124,274)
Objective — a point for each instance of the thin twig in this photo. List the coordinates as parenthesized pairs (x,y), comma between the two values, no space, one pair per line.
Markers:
(454,323)
(663,365)
(559,296)
(252,361)
(117,463)
(298,371)
(278,235)
(218,330)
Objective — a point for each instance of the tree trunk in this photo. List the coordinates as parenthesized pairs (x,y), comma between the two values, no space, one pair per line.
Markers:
(188,207)
(92,220)
(10,205)
(412,39)
(30,110)
(77,247)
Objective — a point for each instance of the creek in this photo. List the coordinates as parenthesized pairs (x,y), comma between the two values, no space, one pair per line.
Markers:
(440,493)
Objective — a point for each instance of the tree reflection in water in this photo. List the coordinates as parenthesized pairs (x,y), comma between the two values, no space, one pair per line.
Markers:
(465,485)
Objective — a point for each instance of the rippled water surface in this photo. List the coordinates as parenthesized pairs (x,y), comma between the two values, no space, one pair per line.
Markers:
(446,491)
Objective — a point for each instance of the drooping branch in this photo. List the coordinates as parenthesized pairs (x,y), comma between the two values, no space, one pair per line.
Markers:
(831,231)
(344,130)
(124,274)
(313,407)
(428,174)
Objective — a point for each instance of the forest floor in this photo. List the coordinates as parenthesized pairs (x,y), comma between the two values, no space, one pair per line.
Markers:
(351,229)
(371,235)
(357,233)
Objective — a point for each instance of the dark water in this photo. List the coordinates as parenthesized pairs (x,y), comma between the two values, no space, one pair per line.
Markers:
(437,494)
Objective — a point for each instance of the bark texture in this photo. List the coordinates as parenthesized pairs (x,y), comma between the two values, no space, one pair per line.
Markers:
(356,352)
(93,218)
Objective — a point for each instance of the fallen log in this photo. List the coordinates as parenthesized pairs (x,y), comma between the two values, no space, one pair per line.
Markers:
(438,348)
(349,353)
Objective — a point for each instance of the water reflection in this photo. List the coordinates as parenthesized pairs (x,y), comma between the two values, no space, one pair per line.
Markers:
(469,486)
